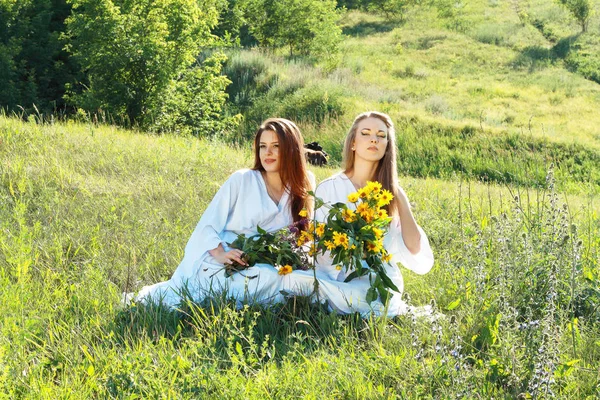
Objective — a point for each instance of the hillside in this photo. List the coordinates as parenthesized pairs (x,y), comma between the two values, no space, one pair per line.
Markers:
(87,212)
(491,98)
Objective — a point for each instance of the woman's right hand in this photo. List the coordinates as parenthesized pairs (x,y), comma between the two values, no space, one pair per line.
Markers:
(227,257)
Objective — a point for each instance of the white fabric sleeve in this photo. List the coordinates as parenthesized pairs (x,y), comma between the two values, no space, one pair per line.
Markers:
(419,263)
(207,234)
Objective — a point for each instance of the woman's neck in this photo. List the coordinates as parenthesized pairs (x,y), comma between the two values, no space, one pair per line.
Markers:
(362,172)
(273,180)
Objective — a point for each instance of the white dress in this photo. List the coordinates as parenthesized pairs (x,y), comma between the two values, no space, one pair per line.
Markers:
(349,297)
(240,205)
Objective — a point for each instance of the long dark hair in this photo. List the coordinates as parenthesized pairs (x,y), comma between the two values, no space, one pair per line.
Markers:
(387,169)
(292,163)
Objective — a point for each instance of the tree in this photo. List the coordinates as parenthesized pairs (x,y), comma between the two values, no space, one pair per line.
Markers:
(133,52)
(582,10)
(303,26)
(34,68)
(195,102)
(391,8)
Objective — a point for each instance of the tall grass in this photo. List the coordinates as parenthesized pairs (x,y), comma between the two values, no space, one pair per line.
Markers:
(89,212)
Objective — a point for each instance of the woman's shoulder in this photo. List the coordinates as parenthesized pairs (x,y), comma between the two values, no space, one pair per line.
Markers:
(333,179)
(245,173)
(331,185)
(242,176)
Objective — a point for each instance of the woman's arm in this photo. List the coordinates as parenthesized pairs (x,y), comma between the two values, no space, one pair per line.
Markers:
(408,225)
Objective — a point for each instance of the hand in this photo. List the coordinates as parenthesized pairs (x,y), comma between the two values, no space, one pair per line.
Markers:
(227,257)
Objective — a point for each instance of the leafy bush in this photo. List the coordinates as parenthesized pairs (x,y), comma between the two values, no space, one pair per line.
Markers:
(195,102)
(134,54)
(302,26)
(583,58)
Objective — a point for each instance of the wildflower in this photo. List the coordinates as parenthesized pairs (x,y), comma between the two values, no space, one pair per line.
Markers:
(348,215)
(373,247)
(338,267)
(353,197)
(303,213)
(286,269)
(362,208)
(387,257)
(378,232)
(373,187)
(340,239)
(381,214)
(304,238)
(363,193)
(320,229)
(329,244)
(384,198)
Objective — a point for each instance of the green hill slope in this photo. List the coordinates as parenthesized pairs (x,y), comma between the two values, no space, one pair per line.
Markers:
(479,93)
(88,212)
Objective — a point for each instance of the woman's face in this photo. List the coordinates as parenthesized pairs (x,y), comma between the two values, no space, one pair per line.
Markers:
(371,139)
(269,151)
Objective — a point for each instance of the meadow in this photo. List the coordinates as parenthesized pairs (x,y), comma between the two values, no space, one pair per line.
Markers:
(498,152)
(89,212)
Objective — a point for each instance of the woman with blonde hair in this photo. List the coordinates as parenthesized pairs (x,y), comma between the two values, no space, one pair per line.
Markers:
(370,155)
(270,196)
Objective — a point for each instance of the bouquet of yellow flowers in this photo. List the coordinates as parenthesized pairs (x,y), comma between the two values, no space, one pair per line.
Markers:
(352,237)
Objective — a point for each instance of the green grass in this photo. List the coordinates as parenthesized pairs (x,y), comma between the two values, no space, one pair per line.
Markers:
(483,105)
(89,212)
(522,99)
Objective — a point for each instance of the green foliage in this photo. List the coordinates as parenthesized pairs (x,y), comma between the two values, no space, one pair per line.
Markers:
(232,26)
(34,68)
(435,150)
(584,58)
(257,90)
(105,211)
(302,26)
(194,103)
(391,8)
(134,52)
(581,10)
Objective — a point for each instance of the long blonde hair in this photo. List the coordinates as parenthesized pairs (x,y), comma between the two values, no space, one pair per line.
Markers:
(387,169)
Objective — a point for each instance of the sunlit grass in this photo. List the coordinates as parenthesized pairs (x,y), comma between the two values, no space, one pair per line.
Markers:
(89,212)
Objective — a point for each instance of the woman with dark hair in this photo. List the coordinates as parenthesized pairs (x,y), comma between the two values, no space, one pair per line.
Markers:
(270,196)
(369,154)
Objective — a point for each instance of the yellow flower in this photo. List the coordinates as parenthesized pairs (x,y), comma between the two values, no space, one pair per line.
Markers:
(362,207)
(338,267)
(374,247)
(286,269)
(363,193)
(353,197)
(303,213)
(320,229)
(348,215)
(313,250)
(373,187)
(329,244)
(387,257)
(368,216)
(381,214)
(385,197)
(378,232)
(304,238)
(340,239)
